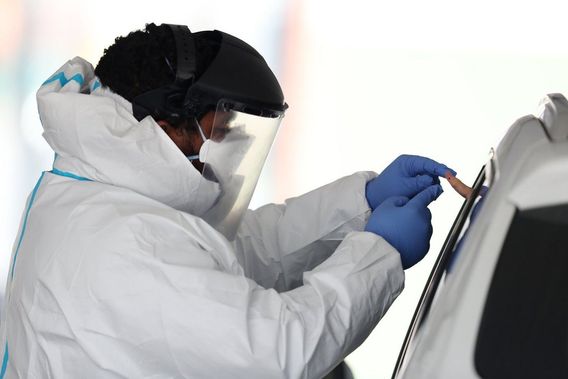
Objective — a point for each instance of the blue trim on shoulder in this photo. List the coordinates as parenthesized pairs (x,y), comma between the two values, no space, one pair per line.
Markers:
(63,80)
(4,362)
(34,192)
(96,85)
(69,175)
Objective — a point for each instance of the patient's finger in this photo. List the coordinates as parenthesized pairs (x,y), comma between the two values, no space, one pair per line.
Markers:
(458,185)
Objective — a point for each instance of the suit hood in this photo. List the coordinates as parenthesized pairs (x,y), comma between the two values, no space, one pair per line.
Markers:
(94,135)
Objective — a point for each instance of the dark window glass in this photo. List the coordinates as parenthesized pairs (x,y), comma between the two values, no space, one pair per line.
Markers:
(524,328)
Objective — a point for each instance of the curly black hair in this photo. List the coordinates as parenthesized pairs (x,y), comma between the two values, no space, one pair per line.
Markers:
(146,59)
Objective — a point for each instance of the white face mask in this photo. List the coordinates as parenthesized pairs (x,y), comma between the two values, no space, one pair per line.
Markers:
(221,160)
(232,160)
(210,190)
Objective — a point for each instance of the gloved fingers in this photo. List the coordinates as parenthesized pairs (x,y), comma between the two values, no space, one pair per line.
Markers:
(397,201)
(418,183)
(428,195)
(417,165)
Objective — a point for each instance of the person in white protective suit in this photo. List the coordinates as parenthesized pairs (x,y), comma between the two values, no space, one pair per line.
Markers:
(136,255)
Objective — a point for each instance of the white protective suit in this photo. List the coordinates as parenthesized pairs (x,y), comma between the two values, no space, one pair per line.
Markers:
(110,277)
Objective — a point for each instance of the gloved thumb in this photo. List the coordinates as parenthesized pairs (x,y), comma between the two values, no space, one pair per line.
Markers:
(417,183)
(395,201)
(428,195)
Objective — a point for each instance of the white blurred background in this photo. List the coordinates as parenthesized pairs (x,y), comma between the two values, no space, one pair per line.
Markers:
(366,81)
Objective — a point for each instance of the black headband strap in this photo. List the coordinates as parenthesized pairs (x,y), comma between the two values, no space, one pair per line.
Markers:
(185,53)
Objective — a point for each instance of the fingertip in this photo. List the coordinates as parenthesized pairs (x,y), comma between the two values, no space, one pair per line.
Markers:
(439,190)
(440,169)
(444,170)
(428,195)
(436,189)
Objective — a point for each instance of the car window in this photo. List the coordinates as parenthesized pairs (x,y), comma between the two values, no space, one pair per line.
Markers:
(446,260)
(524,327)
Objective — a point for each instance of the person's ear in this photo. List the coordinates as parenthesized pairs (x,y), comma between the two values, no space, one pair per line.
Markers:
(166,127)
(184,141)
(169,129)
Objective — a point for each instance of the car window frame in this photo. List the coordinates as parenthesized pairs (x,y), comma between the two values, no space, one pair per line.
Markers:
(439,269)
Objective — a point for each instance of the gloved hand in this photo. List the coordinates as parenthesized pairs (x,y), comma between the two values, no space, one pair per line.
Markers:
(406,176)
(406,224)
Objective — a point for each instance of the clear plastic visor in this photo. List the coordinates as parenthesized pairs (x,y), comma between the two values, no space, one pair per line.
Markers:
(233,157)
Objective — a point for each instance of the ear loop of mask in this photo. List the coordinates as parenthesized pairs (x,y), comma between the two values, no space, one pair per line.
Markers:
(196,156)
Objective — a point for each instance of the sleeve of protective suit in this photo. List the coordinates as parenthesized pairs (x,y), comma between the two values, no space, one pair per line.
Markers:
(278,242)
(222,325)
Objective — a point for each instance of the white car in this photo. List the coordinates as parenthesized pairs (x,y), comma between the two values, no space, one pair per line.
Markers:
(496,302)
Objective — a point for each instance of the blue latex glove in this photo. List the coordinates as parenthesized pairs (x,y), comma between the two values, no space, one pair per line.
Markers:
(406,176)
(406,224)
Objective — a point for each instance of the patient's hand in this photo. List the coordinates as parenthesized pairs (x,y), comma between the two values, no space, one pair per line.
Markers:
(458,185)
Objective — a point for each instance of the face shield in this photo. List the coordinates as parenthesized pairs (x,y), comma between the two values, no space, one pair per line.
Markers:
(233,156)
(243,129)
